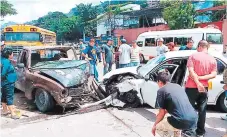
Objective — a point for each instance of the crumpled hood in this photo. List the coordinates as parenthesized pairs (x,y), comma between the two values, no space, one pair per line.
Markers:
(67,77)
(121,71)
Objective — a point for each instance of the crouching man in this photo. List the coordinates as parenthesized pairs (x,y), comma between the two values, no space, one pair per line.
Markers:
(172,99)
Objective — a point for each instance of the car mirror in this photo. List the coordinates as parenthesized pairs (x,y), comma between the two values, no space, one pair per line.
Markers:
(20,65)
(147,77)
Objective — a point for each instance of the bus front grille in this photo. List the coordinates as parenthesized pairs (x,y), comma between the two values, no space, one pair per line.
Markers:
(16,49)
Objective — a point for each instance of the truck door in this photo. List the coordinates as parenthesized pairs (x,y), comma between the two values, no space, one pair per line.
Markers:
(20,84)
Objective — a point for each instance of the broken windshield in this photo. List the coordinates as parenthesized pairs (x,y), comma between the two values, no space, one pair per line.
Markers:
(143,70)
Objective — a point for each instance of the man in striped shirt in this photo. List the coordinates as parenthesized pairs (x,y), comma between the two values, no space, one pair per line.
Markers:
(135,54)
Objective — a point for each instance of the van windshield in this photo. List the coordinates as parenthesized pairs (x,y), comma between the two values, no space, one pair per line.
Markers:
(214,38)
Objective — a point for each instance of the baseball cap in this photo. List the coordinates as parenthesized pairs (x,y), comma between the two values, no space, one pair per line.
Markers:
(109,39)
(123,40)
(160,39)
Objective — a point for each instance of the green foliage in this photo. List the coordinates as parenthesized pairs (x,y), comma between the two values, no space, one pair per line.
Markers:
(217,15)
(179,14)
(63,25)
(7,9)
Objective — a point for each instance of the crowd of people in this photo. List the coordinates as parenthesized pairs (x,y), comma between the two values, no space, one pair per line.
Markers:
(124,56)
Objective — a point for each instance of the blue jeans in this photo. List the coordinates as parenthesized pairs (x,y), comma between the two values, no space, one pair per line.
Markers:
(117,65)
(133,64)
(107,68)
(93,71)
(124,65)
(226,93)
(99,56)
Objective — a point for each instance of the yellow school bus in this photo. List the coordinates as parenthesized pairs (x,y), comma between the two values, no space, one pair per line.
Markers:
(18,36)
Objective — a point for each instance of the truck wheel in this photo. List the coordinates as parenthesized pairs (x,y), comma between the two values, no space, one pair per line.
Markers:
(222,103)
(43,100)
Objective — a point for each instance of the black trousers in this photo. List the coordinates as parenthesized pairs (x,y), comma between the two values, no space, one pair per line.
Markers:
(200,98)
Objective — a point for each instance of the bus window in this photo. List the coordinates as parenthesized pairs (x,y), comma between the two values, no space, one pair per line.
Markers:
(214,38)
(182,41)
(167,40)
(149,42)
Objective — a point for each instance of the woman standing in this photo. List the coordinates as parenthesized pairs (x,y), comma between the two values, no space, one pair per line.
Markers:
(8,79)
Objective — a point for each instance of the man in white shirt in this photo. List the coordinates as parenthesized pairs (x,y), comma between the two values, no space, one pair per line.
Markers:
(161,48)
(135,54)
(124,57)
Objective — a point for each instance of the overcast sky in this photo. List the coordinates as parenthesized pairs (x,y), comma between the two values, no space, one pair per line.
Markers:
(33,9)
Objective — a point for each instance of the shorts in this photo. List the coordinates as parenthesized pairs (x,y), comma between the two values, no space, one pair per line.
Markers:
(164,129)
(7,94)
(133,64)
(124,65)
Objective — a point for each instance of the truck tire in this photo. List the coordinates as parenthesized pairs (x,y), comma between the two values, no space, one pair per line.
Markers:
(43,100)
(222,103)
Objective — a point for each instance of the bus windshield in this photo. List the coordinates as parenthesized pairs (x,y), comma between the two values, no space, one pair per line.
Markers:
(22,36)
(214,38)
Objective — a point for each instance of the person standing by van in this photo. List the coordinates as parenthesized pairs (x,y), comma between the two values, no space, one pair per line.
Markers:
(202,67)
(125,51)
(81,48)
(161,48)
(189,45)
(135,54)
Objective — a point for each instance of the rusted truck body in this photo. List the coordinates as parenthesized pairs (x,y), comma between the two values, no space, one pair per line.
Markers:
(54,75)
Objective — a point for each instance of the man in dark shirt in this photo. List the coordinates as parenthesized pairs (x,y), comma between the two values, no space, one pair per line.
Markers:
(189,45)
(172,99)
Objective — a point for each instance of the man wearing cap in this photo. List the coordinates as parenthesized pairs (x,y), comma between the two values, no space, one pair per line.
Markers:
(81,48)
(189,45)
(161,48)
(124,57)
(107,55)
(91,53)
(171,46)
(135,54)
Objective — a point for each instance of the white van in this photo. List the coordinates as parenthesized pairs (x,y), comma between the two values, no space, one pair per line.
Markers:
(147,40)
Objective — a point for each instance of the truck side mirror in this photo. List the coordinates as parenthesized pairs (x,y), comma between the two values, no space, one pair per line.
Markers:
(41,38)
(20,65)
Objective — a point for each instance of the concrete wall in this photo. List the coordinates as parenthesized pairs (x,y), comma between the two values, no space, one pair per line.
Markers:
(132,34)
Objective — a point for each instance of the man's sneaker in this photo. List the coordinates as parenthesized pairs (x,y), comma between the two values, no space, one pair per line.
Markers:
(203,135)
(224,117)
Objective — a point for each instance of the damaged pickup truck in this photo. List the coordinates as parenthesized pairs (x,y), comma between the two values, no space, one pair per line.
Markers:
(54,76)
(136,86)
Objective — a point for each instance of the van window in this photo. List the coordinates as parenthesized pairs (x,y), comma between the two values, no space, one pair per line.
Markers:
(214,38)
(220,67)
(150,42)
(167,40)
(140,43)
(180,41)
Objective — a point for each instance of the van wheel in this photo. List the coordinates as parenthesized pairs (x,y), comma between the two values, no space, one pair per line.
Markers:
(222,103)
(142,60)
(44,101)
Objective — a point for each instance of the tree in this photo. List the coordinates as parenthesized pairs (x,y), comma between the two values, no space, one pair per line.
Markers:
(7,9)
(67,28)
(179,14)
(87,12)
(217,15)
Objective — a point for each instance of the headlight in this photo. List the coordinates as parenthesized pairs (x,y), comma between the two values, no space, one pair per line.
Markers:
(64,93)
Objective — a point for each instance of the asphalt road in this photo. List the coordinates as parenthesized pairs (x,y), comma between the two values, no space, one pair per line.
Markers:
(111,122)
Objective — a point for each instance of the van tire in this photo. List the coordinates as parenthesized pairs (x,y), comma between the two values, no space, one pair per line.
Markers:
(44,101)
(221,103)
(142,60)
